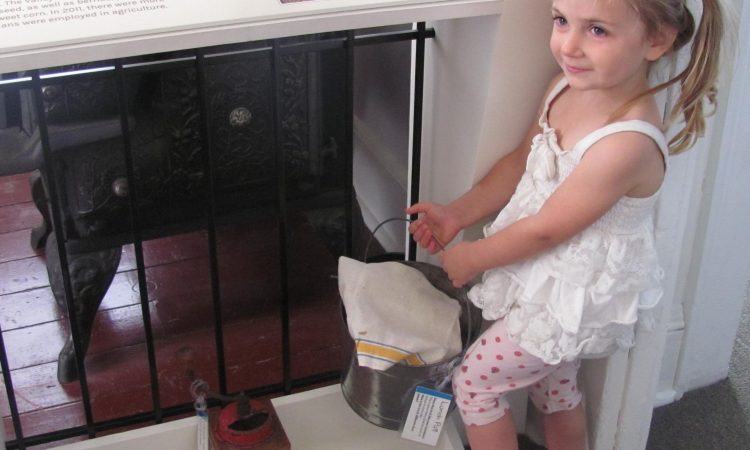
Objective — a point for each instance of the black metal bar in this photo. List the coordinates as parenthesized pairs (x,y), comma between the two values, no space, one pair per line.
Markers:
(282,215)
(416,151)
(137,239)
(393,36)
(208,165)
(237,55)
(312,380)
(349,140)
(58,78)
(50,173)
(14,414)
(77,76)
(318,45)
(364,39)
(16,84)
(153,66)
(46,438)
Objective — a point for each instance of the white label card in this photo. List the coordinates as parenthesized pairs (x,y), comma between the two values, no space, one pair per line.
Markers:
(426,416)
(202,432)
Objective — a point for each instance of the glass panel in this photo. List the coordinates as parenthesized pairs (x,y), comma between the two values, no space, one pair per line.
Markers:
(241,129)
(181,312)
(317,157)
(251,297)
(164,127)
(382,86)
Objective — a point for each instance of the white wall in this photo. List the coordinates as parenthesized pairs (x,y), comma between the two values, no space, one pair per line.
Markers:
(487,75)
(703,217)
(718,275)
(381,136)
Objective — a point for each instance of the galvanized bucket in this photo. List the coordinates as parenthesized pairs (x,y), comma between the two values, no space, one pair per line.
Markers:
(383,397)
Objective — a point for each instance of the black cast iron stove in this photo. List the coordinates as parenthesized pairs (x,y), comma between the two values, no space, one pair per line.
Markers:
(270,120)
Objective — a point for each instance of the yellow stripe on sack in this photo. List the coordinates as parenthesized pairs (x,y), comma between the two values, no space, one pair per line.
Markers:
(388,353)
(414,360)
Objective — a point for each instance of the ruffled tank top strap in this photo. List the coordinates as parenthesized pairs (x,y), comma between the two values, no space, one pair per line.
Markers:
(638,126)
(556,90)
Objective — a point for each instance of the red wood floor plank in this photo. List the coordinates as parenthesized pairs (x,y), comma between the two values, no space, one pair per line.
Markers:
(47,420)
(14,189)
(119,382)
(180,306)
(234,239)
(166,250)
(22,275)
(28,308)
(122,292)
(19,216)
(34,345)
(37,388)
(16,245)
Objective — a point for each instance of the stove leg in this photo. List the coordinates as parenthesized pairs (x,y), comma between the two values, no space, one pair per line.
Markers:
(40,233)
(90,276)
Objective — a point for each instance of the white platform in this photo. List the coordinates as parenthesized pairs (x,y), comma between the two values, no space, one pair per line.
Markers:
(178,435)
(322,420)
(316,419)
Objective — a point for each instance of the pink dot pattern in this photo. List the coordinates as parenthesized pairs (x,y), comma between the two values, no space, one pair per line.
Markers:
(494,366)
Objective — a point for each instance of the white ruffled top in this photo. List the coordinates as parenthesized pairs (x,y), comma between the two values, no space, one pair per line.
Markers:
(581,298)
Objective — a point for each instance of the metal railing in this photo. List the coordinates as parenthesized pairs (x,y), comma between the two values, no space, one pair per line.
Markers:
(200,61)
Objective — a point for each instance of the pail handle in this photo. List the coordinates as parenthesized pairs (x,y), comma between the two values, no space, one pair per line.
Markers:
(378,226)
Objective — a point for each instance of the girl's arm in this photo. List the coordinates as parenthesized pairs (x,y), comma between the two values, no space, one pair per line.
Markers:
(494,190)
(439,224)
(612,168)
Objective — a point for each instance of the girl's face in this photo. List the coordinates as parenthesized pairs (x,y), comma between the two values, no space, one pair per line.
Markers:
(601,44)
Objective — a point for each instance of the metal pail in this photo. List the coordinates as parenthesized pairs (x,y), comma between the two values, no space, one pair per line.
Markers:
(383,397)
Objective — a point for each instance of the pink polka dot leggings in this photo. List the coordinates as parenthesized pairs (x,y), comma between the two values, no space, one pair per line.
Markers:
(494,366)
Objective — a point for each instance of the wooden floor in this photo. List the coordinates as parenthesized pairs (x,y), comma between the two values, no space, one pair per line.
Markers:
(177,270)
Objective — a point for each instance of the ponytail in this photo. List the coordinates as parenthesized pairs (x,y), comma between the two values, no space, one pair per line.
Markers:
(698,80)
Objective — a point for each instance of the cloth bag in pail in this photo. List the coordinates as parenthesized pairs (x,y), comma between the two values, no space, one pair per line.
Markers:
(396,316)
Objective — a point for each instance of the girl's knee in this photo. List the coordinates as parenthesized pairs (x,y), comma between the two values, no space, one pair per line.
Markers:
(477,403)
(566,429)
(558,391)
(553,400)
(479,408)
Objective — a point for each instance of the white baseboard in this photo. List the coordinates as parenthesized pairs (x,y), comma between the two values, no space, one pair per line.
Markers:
(666,397)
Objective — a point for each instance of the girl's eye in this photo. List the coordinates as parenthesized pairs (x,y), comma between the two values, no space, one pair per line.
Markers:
(560,21)
(598,31)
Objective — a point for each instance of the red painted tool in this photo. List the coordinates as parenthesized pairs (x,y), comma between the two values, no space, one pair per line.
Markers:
(243,423)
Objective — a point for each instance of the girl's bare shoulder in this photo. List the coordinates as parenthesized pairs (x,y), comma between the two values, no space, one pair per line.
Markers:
(633,156)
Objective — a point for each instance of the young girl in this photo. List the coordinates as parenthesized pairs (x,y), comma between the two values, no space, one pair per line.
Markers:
(570,258)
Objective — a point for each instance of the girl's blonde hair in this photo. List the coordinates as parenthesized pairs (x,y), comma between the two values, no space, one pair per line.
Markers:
(698,81)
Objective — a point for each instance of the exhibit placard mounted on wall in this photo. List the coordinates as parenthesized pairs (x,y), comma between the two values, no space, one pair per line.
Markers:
(43,33)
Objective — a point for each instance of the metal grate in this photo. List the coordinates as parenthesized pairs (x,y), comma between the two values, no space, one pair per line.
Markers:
(198,62)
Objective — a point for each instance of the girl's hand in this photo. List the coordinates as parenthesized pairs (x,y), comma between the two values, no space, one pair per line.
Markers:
(436,227)
(458,263)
